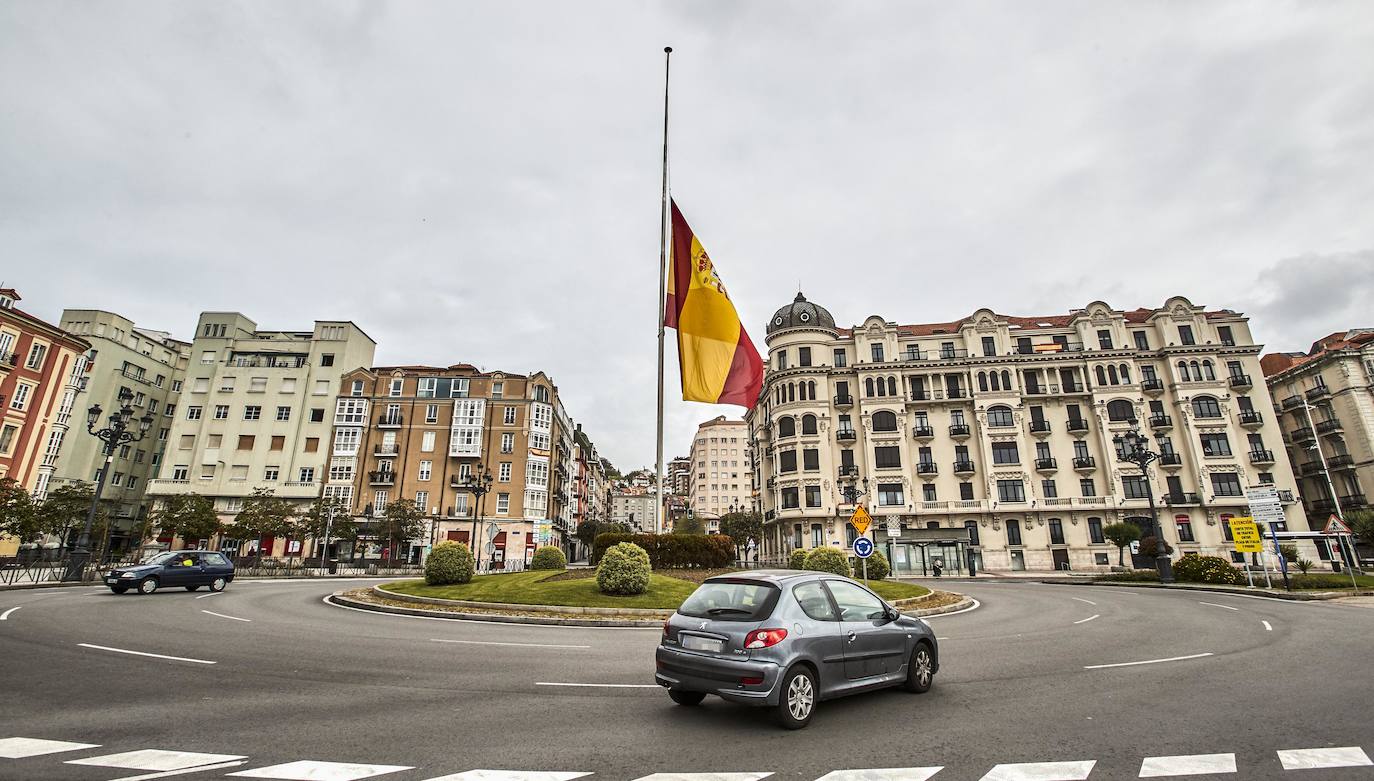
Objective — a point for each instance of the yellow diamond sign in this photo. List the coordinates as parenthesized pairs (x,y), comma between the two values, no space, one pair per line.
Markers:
(860,520)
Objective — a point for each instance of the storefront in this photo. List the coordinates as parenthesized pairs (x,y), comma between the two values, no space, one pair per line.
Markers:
(916,552)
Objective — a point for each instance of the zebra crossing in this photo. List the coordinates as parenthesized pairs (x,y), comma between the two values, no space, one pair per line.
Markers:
(155,763)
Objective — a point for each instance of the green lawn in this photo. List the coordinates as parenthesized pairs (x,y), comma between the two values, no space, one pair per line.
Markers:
(529,588)
(894,589)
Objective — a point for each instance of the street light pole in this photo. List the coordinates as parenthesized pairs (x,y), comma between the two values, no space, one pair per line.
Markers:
(113,435)
(478,484)
(1132,448)
(1354,560)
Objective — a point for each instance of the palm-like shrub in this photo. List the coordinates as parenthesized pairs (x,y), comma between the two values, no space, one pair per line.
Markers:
(549,557)
(449,563)
(624,570)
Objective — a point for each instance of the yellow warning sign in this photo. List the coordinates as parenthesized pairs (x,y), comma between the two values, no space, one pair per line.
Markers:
(1246,534)
(861,520)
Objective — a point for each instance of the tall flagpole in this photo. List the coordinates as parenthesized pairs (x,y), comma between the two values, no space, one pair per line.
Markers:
(662,289)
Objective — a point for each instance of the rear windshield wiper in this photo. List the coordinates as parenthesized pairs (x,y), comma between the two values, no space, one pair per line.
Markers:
(716,611)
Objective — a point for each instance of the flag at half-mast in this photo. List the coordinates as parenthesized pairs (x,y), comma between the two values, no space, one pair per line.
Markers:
(719,364)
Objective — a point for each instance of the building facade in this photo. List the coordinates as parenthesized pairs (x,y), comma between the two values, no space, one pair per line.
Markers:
(678,478)
(634,507)
(420,434)
(1324,402)
(988,441)
(720,470)
(148,365)
(255,412)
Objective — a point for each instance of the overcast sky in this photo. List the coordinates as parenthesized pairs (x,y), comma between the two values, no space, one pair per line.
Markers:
(478,181)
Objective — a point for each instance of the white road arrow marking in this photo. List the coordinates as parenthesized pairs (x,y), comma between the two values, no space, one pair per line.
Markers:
(1315,758)
(883,774)
(508,775)
(19,748)
(1041,771)
(5,616)
(186,771)
(311,770)
(155,759)
(1191,765)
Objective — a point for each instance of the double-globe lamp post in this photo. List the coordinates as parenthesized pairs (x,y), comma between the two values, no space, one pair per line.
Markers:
(1133,448)
(113,435)
(478,483)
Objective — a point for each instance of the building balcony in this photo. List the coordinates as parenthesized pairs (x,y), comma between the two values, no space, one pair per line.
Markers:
(385,450)
(963,467)
(919,397)
(1319,392)
(1040,427)
(1323,506)
(950,354)
(1310,468)
(927,468)
(1331,426)
(843,435)
(923,432)
(391,421)
(1170,459)
(1158,422)
(1250,418)
(956,393)
(1303,434)
(1046,464)
(1291,402)
(844,401)
(850,471)
(1341,461)
(959,430)
(911,356)
(384,477)
(1077,425)
(1240,381)
(1180,498)
(1353,502)
(1084,463)
(458,512)
(1152,385)
(1261,456)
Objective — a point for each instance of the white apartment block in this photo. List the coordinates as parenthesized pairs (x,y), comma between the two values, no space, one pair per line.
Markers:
(719,470)
(635,510)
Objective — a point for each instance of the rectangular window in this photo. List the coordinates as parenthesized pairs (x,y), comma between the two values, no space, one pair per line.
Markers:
(508,416)
(1142,342)
(317,415)
(431,413)
(397,385)
(840,359)
(1104,340)
(928,492)
(1086,487)
(1215,444)
(1185,528)
(966,491)
(307,474)
(350,412)
(193,413)
(427,387)
(426,469)
(283,413)
(503,504)
(271,473)
(803,356)
(1005,453)
(787,461)
(1056,531)
(312,444)
(1048,489)
(1095,531)
(1224,334)
(427,442)
(876,350)
(790,499)
(181,472)
(246,441)
(221,412)
(890,495)
(21,396)
(252,412)
(257,384)
(989,345)
(1185,335)
(1226,484)
(811,460)
(1011,491)
(498,389)
(887,457)
(1013,532)
(422,501)
(782,359)
(459,388)
(503,472)
(507,443)
(813,496)
(1133,487)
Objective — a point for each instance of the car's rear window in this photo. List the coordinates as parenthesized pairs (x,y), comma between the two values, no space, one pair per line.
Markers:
(732,600)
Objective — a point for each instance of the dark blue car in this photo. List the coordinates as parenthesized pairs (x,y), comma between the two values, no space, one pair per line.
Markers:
(190,569)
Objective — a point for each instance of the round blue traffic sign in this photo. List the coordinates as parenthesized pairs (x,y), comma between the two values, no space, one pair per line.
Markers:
(863,547)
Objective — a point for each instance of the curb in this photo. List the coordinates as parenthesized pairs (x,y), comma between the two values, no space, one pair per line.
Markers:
(555,609)
(338,598)
(963,604)
(1288,596)
(55,584)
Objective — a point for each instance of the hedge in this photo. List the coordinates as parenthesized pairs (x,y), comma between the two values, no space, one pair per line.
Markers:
(448,563)
(624,570)
(548,557)
(828,560)
(674,551)
(878,568)
(797,558)
(1192,568)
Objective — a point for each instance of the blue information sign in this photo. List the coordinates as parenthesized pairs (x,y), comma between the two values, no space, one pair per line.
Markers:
(863,547)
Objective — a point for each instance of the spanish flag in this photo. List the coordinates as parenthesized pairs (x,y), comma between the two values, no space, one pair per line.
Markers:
(719,364)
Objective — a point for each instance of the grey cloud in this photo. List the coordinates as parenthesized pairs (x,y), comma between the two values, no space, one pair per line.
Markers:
(1310,296)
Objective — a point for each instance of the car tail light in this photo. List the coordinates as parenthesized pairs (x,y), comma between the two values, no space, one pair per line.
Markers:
(764,638)
(665,626)
(751,680)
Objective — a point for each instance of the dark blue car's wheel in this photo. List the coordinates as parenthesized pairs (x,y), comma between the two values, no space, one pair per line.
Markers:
(147,585)
(218,584)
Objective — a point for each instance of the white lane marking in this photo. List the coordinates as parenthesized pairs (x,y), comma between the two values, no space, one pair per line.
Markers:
(1267,626)
(145,653)
(231,618)
(1089,618)
(520,645)
(19,748)
(508,775)
(883,774)
(704,777)
(1146,661)
(1190,765)
(1223,607)
(1081,599)
(654,628)
(311,770)
(1041,771)
(942,638)
(976,604)
(197,769)
(1315,758)
(211,594)
(5,616)
(601,685)
(155,759)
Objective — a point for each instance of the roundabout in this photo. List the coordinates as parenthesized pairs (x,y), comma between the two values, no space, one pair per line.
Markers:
(1043,675)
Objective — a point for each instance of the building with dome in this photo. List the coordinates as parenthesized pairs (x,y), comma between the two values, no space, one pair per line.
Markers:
(988,441)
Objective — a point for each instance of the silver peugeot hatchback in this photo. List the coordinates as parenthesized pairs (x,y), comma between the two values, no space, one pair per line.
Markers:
(785,640)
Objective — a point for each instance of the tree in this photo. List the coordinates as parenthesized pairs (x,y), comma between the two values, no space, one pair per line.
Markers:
(689,524)
(1361,522)
(188,516)
(401,521)
(18,515)
(1121,535)
(587,531)
(66,508)
(742,527)
(316,521)
(264,514)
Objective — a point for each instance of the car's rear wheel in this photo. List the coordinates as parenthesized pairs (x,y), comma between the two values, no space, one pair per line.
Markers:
(685,697)
(798,700)
(119,589)
(218,584)
(192,588)
(920,671)
(147,585)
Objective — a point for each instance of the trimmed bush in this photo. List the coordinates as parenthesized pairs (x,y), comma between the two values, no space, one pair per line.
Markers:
(449,563)
(624,570)
(830,560)
(1322,581)
(674,551)
(878,568)
(1137,576)
(1192,568)
(549,557)
(797,559)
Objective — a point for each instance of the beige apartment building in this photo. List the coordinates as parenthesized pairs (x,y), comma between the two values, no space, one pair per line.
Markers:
(720,470)
(151,367)
(989,440)
(255,413)
(1324,402)
(420,433)
(634,507)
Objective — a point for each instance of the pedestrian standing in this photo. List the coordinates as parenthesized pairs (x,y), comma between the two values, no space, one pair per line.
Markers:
(938,568)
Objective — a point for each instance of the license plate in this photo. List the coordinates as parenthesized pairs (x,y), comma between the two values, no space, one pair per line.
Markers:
(694,643)
(111,580)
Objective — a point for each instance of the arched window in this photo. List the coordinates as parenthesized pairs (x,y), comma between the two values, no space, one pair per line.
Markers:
(983,381)
(791,391)
(884,421)
(811,389)
(1006,380)
(1101,376)
(868,386)
(1196,371)
(1000,416)
(892,386)
(1125,374)
(1120,410)
(1207,372)
(787,427)
(1111,372)
(1206,407)
(808,424)
(882,387)
(1183,371)
(994,381)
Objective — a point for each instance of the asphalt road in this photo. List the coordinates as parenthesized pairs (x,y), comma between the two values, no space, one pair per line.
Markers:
(295,679)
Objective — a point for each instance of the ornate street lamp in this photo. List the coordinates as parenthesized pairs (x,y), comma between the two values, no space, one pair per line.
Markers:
(1133,448)
(113,435)
(478,483)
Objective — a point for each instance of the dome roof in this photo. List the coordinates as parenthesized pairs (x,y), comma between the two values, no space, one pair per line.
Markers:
(801,314)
